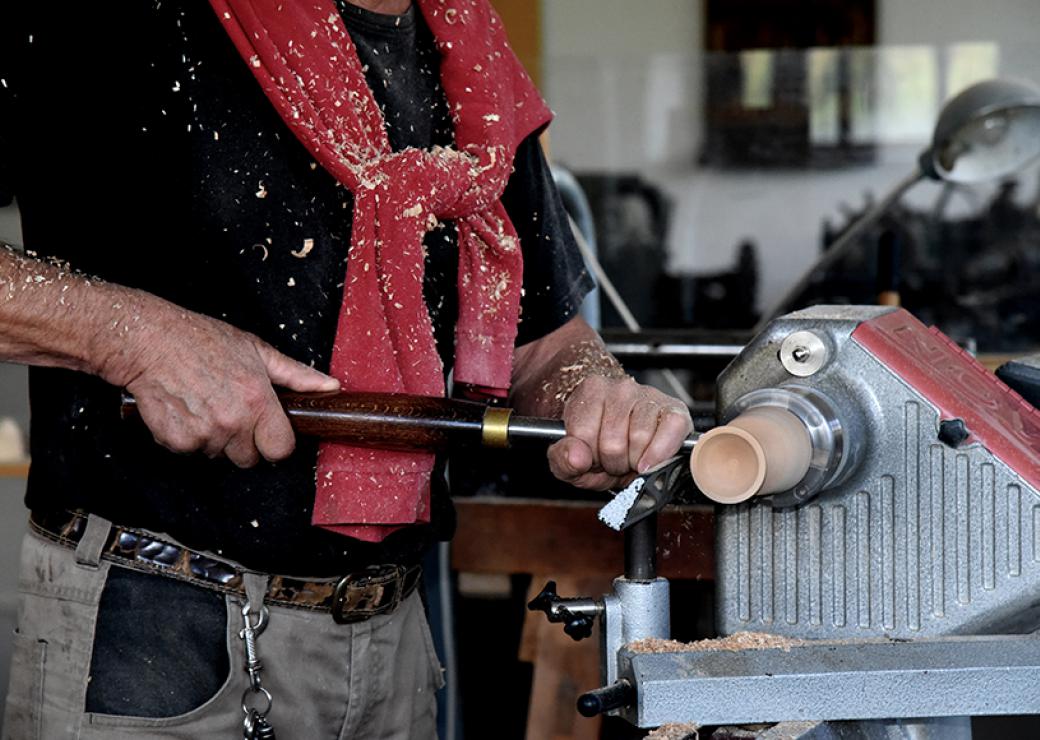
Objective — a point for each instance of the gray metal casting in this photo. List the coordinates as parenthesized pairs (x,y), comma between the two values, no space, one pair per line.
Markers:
(837,680)
(919,540)
(912,539)
(945,728)
(633,611)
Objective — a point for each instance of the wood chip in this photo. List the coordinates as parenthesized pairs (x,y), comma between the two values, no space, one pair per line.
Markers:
(736,641)
(308,245)
(671,731)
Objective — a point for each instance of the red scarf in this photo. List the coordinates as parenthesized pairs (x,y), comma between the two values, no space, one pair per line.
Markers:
(307,65)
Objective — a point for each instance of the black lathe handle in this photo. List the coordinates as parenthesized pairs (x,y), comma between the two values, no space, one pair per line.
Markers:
(598,701)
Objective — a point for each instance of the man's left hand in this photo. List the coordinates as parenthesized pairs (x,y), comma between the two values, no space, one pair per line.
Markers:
(616,428)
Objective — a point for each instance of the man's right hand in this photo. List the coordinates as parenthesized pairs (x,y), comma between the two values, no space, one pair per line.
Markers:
(202,385)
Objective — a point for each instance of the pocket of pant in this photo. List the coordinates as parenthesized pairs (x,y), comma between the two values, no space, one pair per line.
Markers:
(25,692)
(132,687)
(211,716)
(436,669)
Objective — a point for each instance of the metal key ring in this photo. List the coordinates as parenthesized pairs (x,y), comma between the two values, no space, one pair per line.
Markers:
(245,695)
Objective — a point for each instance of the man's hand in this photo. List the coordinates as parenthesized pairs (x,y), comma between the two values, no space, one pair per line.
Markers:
(616,428)
(200,384)
(203,385)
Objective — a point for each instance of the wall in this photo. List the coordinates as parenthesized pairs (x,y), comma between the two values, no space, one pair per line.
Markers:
(623,82)
(14,403)
(523,24)
(628,93)
(942,21)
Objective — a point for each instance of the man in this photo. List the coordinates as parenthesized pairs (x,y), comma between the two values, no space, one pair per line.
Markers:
(250,182)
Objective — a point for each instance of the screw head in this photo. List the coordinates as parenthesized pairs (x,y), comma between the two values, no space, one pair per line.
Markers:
(803,353)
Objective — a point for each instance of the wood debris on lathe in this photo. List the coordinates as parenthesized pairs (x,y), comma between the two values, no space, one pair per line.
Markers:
(736,641)
(672,731)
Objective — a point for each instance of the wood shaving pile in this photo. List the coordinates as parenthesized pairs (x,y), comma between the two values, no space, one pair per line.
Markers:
(736,641)
(675,732)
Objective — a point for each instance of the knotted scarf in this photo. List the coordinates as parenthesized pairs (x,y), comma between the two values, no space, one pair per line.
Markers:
(306,63)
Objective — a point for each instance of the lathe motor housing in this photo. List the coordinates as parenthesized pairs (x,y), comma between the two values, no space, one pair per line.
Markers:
(933,525)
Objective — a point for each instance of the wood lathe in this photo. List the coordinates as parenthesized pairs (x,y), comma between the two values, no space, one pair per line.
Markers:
(879,521)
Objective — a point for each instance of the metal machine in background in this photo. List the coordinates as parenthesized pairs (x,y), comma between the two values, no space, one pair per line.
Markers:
(903,568)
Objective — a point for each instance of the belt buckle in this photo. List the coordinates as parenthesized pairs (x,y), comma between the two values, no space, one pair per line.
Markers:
(364,594)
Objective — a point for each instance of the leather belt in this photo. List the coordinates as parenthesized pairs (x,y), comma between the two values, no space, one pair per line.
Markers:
(355,597)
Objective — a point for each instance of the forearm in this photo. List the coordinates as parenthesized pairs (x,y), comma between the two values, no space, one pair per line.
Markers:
(200,384)
(547,371)
(615,427)
(52,316)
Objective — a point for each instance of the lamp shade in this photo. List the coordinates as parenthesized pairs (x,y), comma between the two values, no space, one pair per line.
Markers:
(988,130)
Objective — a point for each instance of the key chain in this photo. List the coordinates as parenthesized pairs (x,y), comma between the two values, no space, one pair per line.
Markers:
(255,724)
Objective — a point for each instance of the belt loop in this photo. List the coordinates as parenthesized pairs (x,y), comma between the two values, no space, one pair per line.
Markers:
(255,585)
(90,545)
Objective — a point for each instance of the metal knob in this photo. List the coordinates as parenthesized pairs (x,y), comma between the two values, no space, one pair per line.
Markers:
(577,615)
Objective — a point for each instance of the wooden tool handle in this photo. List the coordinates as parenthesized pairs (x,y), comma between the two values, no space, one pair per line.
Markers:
(382,420)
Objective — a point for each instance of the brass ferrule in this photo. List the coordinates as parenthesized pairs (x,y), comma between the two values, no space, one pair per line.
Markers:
(494,429)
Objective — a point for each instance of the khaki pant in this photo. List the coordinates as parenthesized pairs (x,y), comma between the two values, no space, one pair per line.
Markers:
(374,680)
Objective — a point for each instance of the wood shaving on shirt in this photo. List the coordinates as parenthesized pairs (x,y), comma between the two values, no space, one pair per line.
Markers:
(308,245)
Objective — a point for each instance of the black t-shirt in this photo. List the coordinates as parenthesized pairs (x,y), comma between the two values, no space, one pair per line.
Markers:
(142,151)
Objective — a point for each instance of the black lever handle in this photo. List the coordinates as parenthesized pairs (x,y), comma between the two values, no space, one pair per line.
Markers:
(578,627)
(619,694)
(545,600)
(577,615)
